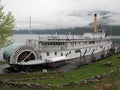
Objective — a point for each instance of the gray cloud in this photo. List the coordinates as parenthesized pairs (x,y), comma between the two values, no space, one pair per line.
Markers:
(60,13)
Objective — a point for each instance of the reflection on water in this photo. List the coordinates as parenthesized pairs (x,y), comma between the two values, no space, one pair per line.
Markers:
(116,41)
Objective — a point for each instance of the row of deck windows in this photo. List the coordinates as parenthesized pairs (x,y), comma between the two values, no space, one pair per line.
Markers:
(85,42)
(72,43)
(55,53)
(78,51)
(88,49)
(53,43)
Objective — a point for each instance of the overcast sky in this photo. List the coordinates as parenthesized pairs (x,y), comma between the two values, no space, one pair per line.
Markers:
(55,13)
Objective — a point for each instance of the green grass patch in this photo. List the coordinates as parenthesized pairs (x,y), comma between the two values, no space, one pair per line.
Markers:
(2,62)
(76,75)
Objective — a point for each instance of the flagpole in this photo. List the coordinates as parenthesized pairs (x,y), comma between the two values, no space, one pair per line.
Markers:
(30,24)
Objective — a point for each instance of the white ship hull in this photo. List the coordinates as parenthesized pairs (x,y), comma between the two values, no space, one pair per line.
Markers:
(57,48)
(41,54)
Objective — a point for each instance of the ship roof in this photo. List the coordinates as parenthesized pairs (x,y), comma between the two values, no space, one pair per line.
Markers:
(10,49)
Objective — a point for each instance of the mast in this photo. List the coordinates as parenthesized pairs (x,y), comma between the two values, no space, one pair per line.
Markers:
(30,24)
(110,31)
(95,23)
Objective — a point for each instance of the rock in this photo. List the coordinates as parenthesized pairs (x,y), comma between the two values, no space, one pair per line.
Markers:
(77,83)
(38,85)
(47,88)
(96,80)
(108,64)
(104,75)
(67,85)
(49,85)
(85,81)
(60,76)
(57,86)
(24,85)
(45,71)
(98,77)
(29,85)
(1,82)
(112,71)
(118,57)
(108,87)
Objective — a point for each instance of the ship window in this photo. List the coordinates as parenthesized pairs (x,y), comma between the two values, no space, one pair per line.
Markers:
(55,53)
(54,43)
(50,43)
(61,54)
(90,42)
(101,47)
(60,43)
(42,43)
(75,43)
(47,53)
(93,42)
(69,52)
(40,57)
(77,51)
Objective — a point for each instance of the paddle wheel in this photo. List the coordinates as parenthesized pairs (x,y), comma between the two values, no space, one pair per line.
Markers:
(26,56)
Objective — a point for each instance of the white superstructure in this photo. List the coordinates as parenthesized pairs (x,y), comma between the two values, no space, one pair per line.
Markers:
(58,47)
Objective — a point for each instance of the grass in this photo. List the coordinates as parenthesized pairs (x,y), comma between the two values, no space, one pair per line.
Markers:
(2,62)
(77,75)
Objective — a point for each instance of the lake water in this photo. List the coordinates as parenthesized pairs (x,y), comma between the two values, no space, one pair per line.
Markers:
(23,37)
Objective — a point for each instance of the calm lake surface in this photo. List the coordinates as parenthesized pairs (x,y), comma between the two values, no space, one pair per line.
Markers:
(22,38)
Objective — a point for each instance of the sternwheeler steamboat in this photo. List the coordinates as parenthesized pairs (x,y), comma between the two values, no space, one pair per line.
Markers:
(57,48)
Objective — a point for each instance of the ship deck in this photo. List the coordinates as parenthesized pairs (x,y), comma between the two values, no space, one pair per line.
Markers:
(75,63)
(69,65)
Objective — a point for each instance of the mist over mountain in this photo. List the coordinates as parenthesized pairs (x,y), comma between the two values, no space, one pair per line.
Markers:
(105,19)
(115,30)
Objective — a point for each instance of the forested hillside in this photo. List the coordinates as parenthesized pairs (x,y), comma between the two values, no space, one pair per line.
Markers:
(115,30)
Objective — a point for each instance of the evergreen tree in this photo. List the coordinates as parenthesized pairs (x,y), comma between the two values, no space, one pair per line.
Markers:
(6,26)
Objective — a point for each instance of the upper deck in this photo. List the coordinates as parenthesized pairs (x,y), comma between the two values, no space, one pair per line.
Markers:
(100,35)
(64,42)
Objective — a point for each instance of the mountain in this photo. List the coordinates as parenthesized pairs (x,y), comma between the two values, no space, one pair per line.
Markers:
(106,19)
(115,30)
